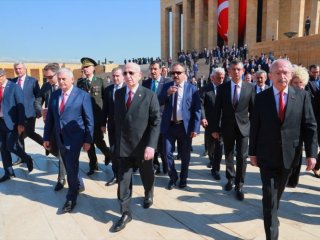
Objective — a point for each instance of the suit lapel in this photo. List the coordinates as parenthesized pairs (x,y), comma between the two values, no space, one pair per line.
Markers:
(70,100)
(271,98)
(136,99)
(290,103)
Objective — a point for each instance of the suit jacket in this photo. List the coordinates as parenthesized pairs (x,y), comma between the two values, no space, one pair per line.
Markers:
(191,108)
(137,127)
(31,93)
(12,106)
(45,94)
(229,116)
(265,87)
(208,99)
(276,144)
(75,125)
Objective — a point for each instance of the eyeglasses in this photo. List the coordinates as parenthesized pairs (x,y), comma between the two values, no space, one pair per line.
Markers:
(178,73)
(129,72)
(50,77)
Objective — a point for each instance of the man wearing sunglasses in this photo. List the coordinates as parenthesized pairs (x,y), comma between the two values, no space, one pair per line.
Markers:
(180,121)
(137,126)
(50,86)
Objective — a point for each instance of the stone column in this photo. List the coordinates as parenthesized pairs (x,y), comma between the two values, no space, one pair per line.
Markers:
(233,22)
(297,17)
(176,30)
(212,24)
(198,16)
(186,9)
(315,16)
(251,21)
(165,41)
(272,20)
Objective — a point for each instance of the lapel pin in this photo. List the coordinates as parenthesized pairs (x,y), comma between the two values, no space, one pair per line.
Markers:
(139,95)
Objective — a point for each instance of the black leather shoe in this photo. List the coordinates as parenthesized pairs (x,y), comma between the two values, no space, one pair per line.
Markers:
(205,153)
(178,157)
(17,162)
(147,202)
(6,177)
(215,175)
(81,189)
(113,181)
(121,224)
(209,164)
(91,171)
(239,194)
(156,169)
(68,206)
(171,184)
(229,185)
(182,184)
(59,185)
(30,164)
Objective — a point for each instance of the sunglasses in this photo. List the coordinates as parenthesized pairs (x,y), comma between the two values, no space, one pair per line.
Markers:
(50,77)
(178,73)
(129,72)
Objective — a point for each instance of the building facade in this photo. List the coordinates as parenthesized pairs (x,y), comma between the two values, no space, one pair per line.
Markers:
(194,24)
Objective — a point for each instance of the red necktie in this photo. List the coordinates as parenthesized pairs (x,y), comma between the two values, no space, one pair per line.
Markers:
(1,94)
(20,82)
(62,102)
(281,106)
(129,100)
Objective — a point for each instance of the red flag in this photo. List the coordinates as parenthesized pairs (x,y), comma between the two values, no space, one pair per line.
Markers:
(222,13)
(242,20)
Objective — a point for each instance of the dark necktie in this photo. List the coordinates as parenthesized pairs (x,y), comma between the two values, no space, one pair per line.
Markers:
(261,89)
(281,106)
(235,100)
(175,105)
(1,94)
(129,100)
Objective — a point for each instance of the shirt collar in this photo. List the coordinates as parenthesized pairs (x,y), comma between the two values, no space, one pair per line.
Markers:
(233,84)
(132,90)
(69,91)
(276,91)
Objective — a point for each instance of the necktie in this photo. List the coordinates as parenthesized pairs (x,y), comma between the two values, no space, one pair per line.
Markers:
(281,106)
(20,82)
(154,86)
(261,89)
(1,94)
(235,97)
(129,100)
(62,102)
(175,105)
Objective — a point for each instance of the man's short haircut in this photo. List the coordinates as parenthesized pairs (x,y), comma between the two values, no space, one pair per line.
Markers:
(54,67)
(218,70)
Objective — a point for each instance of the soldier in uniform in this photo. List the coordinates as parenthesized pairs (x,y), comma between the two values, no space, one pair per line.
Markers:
(94,86)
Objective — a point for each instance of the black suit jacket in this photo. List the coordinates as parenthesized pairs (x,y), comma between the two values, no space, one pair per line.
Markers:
(275,144)
(137,127)
(208,99)
(45,94)
(231,117)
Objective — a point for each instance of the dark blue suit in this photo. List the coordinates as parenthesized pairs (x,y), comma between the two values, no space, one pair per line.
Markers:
(31,94)
(13,115)
(191,114)
(73,127)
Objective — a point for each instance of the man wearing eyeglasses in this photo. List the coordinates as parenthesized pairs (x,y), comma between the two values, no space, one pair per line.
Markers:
(180,121)
(95,87)
(137,125)
(50,86)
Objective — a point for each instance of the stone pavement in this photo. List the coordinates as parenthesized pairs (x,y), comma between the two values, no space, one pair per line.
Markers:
(31,210)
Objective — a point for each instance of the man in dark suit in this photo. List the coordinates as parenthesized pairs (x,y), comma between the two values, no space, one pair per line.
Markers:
(95,87)
(50,74)
(260,77)
(108,118)
(233,106)
(282,120)
(208,97)
(11,125)
(137,124)
(155,84)
(180,121)
(31,92)
(70,116)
